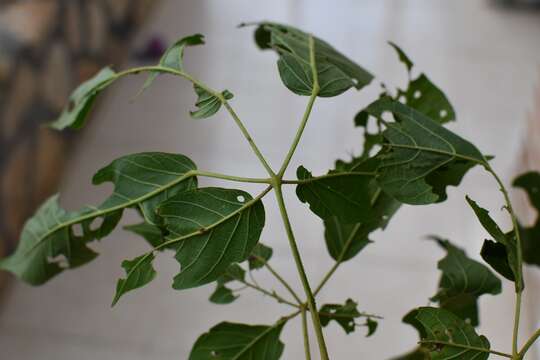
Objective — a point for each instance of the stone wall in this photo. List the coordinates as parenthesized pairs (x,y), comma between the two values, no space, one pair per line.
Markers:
(47,47)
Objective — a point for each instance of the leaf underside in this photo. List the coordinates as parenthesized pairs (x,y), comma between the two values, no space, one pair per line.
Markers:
(230,341)
(54,240)
(418,149)
(336,73)
(214,228)
(441,325)
(345,315)
(222,294)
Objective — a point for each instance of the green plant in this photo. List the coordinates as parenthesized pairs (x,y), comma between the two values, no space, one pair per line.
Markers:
(408,157)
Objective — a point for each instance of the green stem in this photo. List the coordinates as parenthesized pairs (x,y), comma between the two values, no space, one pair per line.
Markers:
(273,294)
(307,112)
(232,178)
(436,342)
(302,273)
(519,255)
(280,279)
(306,334)
(528,344)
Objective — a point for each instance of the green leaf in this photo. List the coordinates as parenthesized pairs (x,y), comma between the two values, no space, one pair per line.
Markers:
(212,228)
(139,272)
(530,236)
(151,233)
(222,294)
(345,195)
(439,327)
(344,241)
(230,341)
(49,244)
(173,58)
(421,94)
(345,316)
(259,256)
(506,240)
(207,103)
(75,113)
(54,240)
(417,149)
(402,56)
(336,73)
(462,282)
(427,98)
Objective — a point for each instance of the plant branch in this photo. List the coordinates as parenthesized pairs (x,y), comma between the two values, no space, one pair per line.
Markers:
(528,344)
(519,275)
(305,333)
(302,273)
(436,342)
(279,278)
(307,112)
(273,294)
(231,177)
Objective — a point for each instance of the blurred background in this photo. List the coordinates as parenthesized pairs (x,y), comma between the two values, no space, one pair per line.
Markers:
(485,55)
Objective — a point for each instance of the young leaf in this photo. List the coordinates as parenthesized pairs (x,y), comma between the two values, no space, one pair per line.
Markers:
(49,241)
(74,114)
(222,294)
(492,254)
(345,316)
(230,341)
(212,228)
(439,328)
(336,73)
(418,147)
(421,94)
(151,233)
(345,195)
(530,236)
(173,58)
(259,256)
(139,272)
(462,282)
(208,104)
(402,56)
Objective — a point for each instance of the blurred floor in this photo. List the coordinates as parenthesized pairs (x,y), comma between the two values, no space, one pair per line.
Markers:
(486,59)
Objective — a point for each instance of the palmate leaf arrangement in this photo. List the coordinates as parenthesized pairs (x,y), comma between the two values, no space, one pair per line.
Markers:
(408,157)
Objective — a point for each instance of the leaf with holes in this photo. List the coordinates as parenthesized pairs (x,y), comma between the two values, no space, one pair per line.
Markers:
(462,282)
(207,103)
(230,341)
(345,195)
(260,255)
(345,315)
(530,236)
(211,229)
(336,73)
(139,272)
(447,336)
(423,95)
(222,294)
(50,242)
(418,149)
(80,102)
(505,246)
